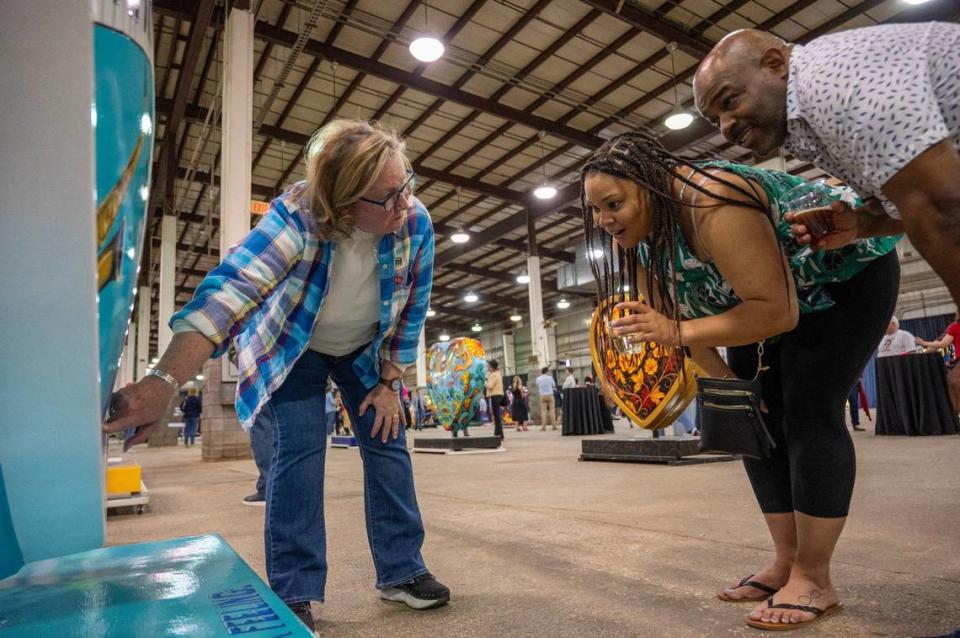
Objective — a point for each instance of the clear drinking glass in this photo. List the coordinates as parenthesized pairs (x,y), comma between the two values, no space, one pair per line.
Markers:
(623,344)
(810,202)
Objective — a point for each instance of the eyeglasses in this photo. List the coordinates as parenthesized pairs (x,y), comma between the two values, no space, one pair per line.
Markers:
(392,200)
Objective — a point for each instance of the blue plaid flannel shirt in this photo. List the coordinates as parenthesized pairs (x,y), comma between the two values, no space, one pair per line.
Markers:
(266,293)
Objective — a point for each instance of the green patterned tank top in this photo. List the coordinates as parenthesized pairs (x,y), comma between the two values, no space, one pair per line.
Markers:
(702,289)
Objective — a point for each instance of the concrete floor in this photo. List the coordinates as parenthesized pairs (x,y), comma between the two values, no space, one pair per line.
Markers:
(533,542)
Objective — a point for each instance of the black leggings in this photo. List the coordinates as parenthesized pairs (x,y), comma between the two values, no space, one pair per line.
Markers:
(812,369)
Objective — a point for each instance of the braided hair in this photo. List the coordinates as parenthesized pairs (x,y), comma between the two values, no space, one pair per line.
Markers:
(640,158)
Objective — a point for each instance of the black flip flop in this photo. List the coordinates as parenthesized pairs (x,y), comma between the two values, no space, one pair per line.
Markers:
(818,614)
(746,582)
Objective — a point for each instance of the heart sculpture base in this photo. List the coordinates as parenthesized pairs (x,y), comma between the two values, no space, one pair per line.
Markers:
(448,444)
(668,450)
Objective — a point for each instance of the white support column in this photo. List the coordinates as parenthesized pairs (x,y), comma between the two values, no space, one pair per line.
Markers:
(236,131)
(422,359)
(128,363)
(538,336)
(223,438)
(143,333)
(168,280)
(509,354)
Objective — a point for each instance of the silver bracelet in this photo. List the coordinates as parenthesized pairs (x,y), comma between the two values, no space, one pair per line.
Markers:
(160,374)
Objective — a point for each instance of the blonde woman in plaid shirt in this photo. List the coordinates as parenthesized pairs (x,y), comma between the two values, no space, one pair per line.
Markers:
(334,282)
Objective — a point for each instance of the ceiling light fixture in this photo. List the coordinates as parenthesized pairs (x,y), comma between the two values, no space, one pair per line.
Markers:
(461,236)
(545,190)
(476,327)
(678,118)
(444,337)
(426,48)
(563,304)
(431,312)
(516,318)
(523,279)
(471,297)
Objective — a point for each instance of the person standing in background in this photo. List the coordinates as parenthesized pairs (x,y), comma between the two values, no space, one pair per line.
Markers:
(570,381)
(896,341)
(191,407)
(494,387)
(518,407)
(951,337)
(546,386)
(330,412)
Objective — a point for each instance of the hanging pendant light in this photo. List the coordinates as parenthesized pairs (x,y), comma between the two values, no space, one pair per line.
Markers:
(426,48)
(678,118)
(545,190)
(461,236)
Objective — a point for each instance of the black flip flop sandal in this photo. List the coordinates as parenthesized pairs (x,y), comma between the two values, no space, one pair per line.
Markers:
(746,582)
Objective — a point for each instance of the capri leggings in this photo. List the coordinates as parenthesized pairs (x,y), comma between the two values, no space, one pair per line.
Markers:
(812,370)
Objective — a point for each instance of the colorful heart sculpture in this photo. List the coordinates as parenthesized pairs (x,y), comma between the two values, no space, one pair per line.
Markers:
(457,370)
(650,383)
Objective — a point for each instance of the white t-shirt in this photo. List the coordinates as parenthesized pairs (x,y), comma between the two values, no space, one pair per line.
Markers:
(569,382)
(896,344)
(863,103)
(350,314)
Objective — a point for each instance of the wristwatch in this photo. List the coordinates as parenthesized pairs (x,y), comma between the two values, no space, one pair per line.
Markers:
(160,374)
(393,384)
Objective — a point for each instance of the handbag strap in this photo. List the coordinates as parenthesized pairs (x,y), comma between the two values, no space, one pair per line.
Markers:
(760,366)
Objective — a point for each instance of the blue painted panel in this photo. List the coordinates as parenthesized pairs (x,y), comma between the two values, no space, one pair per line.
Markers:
(123,119)
(193,587)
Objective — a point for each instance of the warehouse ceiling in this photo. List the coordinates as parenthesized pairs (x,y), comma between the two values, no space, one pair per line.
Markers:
(525,91)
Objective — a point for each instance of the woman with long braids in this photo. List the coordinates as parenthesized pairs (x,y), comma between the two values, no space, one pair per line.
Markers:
(706,246)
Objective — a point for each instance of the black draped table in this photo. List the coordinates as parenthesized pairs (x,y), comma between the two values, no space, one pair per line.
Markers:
(584,412)
(912,396)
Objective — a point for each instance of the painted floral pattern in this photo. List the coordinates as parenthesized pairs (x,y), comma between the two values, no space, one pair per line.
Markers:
(644,380)
(456,372)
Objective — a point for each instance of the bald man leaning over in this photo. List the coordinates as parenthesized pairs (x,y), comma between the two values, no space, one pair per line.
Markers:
(878,108)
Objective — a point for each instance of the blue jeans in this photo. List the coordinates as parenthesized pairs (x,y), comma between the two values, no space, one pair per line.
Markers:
(294,535)
(330,420)
(687,421)
(190,425)
(261,442)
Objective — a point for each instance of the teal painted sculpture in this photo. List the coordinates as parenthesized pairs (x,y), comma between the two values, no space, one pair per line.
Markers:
(123,119)
(11,559)
(457,371)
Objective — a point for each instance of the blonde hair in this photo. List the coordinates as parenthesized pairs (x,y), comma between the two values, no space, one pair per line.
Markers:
(344,158)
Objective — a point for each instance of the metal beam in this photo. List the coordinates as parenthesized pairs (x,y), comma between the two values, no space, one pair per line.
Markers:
(199,21)
(426,85)
(198,113)
(665,29)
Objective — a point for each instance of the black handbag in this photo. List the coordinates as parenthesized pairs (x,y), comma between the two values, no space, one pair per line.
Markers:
(729,417)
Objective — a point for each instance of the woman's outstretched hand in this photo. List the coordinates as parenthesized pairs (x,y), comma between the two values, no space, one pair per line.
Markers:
(646,323)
